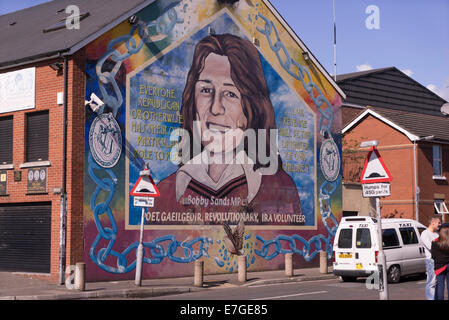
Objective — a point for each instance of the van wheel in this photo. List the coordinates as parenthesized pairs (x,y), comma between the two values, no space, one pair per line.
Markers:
(394,274)
(348,279)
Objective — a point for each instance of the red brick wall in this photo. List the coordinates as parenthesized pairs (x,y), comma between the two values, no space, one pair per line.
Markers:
(75,159)
(396,151)
(431,189)
(48,83)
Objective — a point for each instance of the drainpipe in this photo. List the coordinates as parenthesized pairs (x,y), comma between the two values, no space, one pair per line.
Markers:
(416,181)
(417,191)
(63,211)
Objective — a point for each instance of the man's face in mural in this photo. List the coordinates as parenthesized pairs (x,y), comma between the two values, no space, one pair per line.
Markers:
(219,106)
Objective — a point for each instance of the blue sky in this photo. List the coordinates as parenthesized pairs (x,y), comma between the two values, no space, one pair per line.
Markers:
(413,35)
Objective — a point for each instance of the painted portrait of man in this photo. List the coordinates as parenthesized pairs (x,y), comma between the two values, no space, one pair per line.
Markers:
(225,97)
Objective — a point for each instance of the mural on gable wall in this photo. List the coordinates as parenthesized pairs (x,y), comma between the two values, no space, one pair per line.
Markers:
(236,128)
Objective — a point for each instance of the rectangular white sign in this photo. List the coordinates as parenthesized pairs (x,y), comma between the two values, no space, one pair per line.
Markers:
(17,90)
(143,202)
(376,190)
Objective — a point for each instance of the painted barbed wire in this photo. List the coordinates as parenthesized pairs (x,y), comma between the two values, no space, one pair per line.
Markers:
(228,261)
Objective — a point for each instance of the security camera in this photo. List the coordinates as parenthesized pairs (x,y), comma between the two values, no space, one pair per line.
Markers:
(133,19)
(94,103)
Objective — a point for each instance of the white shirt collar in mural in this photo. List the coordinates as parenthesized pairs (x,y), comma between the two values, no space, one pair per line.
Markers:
(197,169)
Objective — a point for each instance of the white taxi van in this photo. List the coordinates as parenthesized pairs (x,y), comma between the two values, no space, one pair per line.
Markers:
(356,248)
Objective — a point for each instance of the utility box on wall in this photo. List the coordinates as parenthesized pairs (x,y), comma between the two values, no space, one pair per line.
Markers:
(235,125)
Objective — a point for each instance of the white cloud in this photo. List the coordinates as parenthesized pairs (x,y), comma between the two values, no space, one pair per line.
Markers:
(443,92)
(432,87)
(407,72)
(363,67)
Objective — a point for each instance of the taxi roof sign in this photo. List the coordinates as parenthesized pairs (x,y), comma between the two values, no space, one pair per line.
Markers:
(145,186)
(375,170)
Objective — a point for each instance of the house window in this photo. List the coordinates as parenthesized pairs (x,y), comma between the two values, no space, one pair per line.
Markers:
(6,140)
(437,161)
(37,136)
(440,207)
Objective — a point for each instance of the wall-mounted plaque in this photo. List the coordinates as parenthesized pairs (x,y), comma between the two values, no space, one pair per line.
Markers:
(17,90)
(37,180)
(3,182)
(17,176)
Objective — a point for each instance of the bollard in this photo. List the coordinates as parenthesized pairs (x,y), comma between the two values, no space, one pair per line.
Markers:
(198,273)
(242,268)
(323,262)
(80,273)
(289,264)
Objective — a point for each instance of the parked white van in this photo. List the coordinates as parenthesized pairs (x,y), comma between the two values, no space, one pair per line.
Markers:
(356,248)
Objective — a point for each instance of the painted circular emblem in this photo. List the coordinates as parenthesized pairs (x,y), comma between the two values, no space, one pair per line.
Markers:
(105,140)
(42,174)
(330,160)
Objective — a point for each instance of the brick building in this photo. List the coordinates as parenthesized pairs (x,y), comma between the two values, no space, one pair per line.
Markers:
(33,137)
(83,110)
(405,118)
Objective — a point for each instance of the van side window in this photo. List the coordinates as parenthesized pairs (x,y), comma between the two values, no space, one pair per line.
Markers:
(389,238)
(345,239)
(408,235)
(363,238)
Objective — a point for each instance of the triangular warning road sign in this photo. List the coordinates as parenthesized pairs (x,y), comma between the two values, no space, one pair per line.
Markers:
(145,186)
(375,169)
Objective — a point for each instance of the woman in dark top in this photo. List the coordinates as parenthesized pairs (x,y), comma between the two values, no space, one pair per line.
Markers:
(440,255)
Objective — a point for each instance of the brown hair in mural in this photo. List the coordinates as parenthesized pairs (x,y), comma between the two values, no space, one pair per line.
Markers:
(226,91)
(247,75)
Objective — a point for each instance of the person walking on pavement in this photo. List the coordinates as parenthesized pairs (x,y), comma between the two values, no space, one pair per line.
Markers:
(427,236)
(440,255)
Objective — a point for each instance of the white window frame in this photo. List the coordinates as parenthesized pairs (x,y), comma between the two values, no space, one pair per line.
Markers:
(440,206)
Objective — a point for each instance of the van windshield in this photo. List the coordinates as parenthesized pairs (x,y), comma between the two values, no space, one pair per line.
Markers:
(363,238)
(345,239)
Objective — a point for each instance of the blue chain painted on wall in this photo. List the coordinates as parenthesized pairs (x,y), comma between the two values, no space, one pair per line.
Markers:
(109,234)
(302,74)
(163,28)
(108,185)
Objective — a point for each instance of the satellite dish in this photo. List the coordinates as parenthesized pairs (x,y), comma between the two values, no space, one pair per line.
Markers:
(445,109)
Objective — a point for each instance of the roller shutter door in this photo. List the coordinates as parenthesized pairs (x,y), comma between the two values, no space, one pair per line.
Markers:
(25,238)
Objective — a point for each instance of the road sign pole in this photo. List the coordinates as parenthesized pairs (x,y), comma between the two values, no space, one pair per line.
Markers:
(139,260)
(383,290)
(375,179)
(144,191)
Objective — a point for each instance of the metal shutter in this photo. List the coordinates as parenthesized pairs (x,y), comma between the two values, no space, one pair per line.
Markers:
(25,237)
(37,136)
(5,140)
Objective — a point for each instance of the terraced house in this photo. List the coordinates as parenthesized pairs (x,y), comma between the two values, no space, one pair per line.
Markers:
(411,126)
